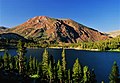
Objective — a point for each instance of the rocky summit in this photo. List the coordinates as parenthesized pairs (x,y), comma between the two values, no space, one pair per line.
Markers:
(59,30)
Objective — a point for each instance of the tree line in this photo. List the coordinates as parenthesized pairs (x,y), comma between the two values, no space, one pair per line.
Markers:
(103,45)
(19,68)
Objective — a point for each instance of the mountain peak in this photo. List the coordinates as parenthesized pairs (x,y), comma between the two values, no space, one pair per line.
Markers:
(41,17)
(38,19)
(59,30)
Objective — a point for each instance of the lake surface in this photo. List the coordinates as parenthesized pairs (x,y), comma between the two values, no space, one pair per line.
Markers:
(101,62)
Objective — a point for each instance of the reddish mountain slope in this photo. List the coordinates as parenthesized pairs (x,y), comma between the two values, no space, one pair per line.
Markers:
(60,30)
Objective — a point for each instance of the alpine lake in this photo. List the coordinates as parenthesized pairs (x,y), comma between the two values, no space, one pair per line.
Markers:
(100,61)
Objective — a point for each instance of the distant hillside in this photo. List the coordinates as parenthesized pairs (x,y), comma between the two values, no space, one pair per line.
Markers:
(58,30)
(2,28)
(11,36)
(114,33)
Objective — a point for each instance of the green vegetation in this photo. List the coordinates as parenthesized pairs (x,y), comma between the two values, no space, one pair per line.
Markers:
(112,44)
(77,71)
(59,71)
(109,44)
(64,64)
(21,58)
(114,75)
(21,69)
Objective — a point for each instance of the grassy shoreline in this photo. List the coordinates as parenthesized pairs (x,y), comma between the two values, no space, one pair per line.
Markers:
(76,48)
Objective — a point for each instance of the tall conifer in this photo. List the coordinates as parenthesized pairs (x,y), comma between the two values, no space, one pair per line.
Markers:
(21,52)
(77,71)
(45,62)
(114,75)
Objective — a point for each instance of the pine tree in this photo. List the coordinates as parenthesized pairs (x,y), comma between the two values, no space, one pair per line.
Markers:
(69,76)
(64,65)
(16,62)
(39,69)
(114,75)
(25,65)
(63,60)
(34,65)
(77,71)
(12,63)
(50,72)
(45,63)
(37,64)
(21,52)
(31,71)
(55,73)
(51,59)
(86,77)
(53,65)
(6,60)
(59,72)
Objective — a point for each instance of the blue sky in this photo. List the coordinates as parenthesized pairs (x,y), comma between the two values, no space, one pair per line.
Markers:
(102,15)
